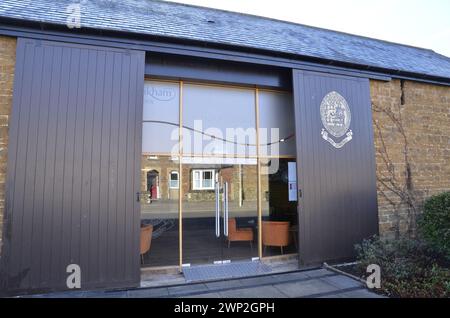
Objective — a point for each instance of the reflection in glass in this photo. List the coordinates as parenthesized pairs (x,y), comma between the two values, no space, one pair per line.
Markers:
(201,176)
(159,191)
(276,121)
(226,113)
(279,206)
(217,121)
(159,208)
(161,117)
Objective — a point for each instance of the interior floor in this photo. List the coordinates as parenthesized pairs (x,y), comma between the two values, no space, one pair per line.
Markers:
(201,247)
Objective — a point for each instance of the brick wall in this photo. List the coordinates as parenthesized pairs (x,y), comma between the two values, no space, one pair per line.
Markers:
(7,63)
(412,142)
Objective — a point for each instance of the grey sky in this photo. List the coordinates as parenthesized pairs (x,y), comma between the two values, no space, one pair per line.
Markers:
(422,23)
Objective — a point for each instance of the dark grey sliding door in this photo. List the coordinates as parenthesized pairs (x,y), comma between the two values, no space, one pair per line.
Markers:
(336,165)
(73,167)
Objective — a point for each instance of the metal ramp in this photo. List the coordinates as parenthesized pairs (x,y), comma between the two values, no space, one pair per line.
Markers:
(223,271)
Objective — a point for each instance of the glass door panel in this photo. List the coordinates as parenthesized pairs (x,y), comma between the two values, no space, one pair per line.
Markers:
(218,120)
(219,203)
(276,122)
(201,241)
(159,210)
(279,206)
(159,193)
(160,118)
(219,209)
(242,238)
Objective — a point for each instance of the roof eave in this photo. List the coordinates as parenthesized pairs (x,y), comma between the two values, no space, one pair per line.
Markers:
(44,26)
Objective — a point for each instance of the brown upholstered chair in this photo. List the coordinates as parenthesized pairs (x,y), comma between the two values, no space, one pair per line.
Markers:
(146,239)
(275,234)
(241,234)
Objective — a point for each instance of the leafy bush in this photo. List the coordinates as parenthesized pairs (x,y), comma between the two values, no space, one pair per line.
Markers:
(434,224)
(409,268)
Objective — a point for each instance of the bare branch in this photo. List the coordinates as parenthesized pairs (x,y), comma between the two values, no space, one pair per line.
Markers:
(390,183)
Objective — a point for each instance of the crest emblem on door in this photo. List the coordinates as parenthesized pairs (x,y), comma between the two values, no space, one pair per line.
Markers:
(336,118)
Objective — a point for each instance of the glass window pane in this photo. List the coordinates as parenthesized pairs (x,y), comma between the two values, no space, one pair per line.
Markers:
(159,211)
(161,120)
(218,120)
(173,180)
(207,175)
(207,184)
(200,244)
(276,121)
(159,139)
(279,201)
(161,101)
(196,179)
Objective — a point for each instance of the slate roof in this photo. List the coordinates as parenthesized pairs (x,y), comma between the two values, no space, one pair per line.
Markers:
(173,20)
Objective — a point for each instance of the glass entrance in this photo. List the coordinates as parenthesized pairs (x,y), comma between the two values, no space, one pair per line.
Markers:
(213,174)
(220,210)
(219,205)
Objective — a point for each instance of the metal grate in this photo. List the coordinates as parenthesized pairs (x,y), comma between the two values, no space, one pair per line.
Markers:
(222,271)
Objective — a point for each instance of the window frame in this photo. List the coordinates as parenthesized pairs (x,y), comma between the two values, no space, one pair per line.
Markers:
(201,179)
(171,180)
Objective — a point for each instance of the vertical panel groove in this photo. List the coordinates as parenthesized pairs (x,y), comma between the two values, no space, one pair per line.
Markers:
(49,170)
(54,228)
(90,180)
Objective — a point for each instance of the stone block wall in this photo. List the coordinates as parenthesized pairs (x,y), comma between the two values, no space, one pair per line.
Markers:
(412,142)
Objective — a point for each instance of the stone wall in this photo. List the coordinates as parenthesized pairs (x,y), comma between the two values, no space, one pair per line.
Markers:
(412,143)
(7,64)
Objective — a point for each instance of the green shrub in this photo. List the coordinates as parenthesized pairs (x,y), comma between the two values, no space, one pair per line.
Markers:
(409,268)
(434,224)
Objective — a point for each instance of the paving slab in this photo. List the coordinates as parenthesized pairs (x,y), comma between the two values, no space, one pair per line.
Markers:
(318,272)
(58,295)
(148,293)
(163,280)
(227,284)
(305,288)
(113,294)
(253,292)
(341,281)
(187,289)
(207,295)
(298,276)
(274,279)
(360,293)
(262,280)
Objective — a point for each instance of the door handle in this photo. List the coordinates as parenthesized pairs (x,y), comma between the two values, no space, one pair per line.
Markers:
(225,212)
(217,210)
(138,196)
